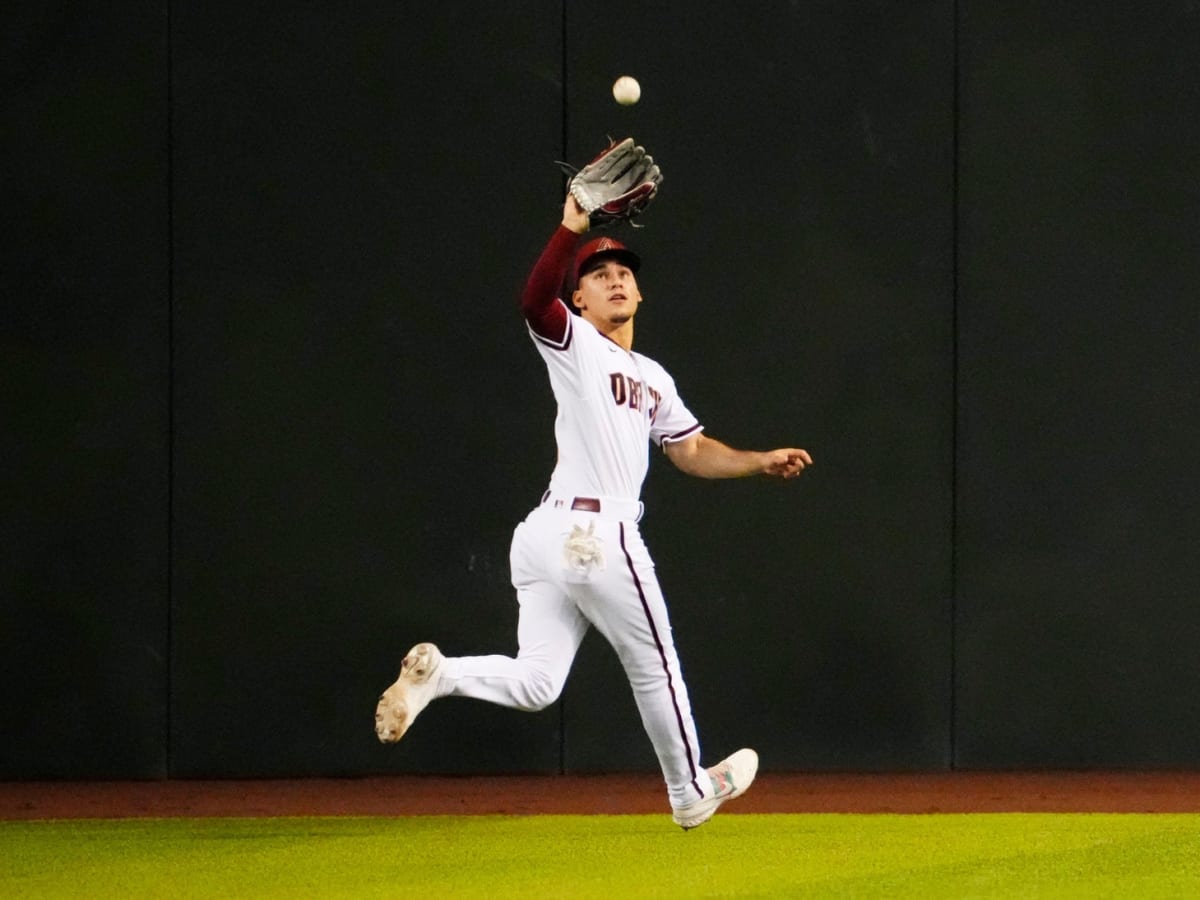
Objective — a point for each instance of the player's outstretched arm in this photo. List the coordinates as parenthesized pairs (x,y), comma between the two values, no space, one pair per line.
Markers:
(539,299)
(706,457)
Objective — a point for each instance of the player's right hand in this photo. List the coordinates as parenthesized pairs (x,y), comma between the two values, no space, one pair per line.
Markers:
(574,218)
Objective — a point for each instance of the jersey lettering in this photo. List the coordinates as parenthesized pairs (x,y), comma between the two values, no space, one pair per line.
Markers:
(617,382)
(630,392)
(655,402)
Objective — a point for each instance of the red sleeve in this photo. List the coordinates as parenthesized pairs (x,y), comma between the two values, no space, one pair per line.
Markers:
(539,301)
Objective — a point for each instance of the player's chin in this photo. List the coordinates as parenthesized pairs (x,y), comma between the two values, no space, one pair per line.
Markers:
(620,317)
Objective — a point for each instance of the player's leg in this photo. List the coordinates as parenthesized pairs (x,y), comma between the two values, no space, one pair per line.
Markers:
(631,612)
(626,605)
(549,631)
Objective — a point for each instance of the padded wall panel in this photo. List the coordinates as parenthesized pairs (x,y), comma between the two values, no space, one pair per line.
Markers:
(84,282)
(798,284)
(1079,420)
(357,197)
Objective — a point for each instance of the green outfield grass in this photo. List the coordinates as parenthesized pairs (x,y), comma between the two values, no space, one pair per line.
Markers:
(443,857)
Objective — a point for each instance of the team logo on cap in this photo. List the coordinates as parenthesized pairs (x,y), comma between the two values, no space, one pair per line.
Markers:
(605,244)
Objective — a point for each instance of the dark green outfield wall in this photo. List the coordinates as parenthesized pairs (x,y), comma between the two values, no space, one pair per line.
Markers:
(272,414)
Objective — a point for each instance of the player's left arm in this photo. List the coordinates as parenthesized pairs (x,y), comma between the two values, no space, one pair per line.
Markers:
(706,457)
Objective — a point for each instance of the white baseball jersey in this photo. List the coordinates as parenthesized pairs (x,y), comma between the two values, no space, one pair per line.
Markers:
(610,403)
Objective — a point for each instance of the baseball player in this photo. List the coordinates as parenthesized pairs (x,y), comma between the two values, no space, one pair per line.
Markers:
(578,559)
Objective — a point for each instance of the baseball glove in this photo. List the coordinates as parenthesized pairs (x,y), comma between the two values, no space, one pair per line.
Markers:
(617,185)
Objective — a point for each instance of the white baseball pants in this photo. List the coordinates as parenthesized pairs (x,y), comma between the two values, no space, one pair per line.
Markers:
(572,569)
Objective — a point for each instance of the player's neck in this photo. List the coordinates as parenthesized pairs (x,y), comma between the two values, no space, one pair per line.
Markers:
(621,335)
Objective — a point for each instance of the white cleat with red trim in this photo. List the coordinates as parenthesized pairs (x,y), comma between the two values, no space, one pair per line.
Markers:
(730,778)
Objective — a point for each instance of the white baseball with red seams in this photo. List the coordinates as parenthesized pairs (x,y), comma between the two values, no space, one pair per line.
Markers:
(626,90)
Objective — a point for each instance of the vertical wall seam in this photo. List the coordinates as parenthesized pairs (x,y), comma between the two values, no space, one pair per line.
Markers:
(955,117)
(563,65)
(170,617)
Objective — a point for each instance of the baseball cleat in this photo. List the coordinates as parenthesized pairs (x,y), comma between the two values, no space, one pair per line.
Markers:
(730,778)
(403,701)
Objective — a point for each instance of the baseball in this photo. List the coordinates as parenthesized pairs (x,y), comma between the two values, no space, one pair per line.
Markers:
(626,90)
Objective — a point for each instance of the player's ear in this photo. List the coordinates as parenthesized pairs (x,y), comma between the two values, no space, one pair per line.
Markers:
(577,299)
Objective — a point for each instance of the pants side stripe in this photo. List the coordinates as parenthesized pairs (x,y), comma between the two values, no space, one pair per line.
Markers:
(662,655)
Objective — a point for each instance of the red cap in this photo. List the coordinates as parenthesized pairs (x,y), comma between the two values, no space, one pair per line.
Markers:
(603,248)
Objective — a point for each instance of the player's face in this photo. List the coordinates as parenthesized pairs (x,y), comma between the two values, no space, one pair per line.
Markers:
(608,294)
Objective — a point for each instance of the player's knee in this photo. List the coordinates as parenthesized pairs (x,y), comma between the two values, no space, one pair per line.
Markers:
(541,690)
